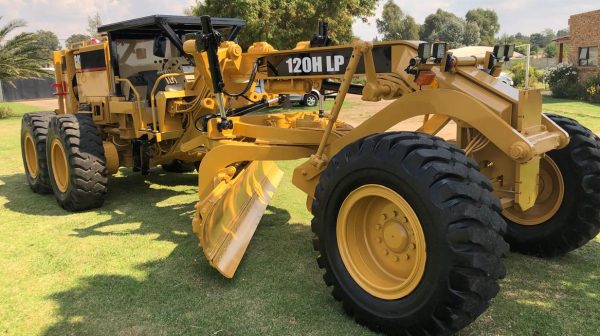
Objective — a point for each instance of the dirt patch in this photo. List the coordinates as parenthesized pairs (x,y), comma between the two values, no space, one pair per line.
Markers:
(360,111)
(49,104)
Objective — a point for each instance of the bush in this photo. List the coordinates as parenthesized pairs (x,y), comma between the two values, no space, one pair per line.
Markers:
(5,112)
(592,89)
(562,80)
(518,77)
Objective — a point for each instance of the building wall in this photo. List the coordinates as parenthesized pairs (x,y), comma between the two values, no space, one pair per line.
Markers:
(584,31)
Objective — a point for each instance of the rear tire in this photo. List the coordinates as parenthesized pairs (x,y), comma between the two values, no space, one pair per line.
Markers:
(34,129)
(460,221)
(76,162)
(577,220)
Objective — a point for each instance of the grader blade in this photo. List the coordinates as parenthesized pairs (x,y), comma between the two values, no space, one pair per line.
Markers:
(227,218)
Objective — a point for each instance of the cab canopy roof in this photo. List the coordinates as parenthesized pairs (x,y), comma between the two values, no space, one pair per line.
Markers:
(151,26)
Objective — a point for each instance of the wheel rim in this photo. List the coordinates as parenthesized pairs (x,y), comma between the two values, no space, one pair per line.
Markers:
(381,241)
(60,168)
(30,155)
(550,197)
(311,101)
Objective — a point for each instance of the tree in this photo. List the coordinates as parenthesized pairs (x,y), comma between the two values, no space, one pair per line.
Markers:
(20,56)
(452,32)
(93,23)
(550,51)
(562,32)
(283,23)
(48,42)
(447,27)
(487,20)
(472,34)
(395,25)
(541,40)
(519,40)
(76,38)
(434,23)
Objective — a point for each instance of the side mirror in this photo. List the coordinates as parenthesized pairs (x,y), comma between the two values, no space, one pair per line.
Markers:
(159,48)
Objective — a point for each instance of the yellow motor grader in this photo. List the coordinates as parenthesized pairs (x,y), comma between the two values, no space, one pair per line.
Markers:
(409,227)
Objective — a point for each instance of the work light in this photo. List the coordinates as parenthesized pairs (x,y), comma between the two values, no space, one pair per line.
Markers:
(424,51)
(439,50)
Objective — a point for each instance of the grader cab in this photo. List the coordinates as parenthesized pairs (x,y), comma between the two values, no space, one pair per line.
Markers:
(409,227)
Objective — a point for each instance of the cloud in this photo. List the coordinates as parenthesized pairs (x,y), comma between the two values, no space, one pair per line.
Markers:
(66,17)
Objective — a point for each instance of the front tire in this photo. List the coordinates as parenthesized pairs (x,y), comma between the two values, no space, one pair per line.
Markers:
(425,204)
(573,174)
(76,162)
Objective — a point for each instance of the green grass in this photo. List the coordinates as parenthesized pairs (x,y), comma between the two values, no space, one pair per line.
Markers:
(18,109)
(134,267)
(586,113)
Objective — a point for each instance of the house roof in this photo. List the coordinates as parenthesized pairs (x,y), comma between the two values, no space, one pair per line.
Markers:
(561,39)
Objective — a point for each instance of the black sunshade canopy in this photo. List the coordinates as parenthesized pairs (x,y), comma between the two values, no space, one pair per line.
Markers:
(148,27)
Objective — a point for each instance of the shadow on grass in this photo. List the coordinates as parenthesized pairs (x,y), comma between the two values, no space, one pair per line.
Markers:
(557,296)
(278,288)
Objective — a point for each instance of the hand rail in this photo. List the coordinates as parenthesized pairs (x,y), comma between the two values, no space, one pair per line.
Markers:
(137,98)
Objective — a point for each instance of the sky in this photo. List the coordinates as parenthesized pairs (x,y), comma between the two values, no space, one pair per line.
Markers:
(66,17)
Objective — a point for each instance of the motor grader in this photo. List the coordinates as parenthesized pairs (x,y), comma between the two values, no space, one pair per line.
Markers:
(409,227)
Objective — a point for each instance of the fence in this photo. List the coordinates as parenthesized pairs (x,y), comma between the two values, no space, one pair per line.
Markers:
(23,89)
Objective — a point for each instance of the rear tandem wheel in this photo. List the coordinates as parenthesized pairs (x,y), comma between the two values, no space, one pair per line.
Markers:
(567,212)
(76,162)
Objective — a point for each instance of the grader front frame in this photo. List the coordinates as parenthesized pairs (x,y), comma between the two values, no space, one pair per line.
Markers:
(408,226)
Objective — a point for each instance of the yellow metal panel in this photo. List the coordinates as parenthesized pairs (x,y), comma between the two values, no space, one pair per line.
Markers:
(529,111)
(122,107)
(227,218)
(527,183)
(454,104)
(434,124)
(233,198)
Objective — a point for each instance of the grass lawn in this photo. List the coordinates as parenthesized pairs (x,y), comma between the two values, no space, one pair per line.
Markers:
(134,267)
(587,114)
(18,109)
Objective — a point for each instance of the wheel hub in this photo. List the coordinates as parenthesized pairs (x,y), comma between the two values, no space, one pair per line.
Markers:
(60,167)
(30,155)
(381,241)
(395,236)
